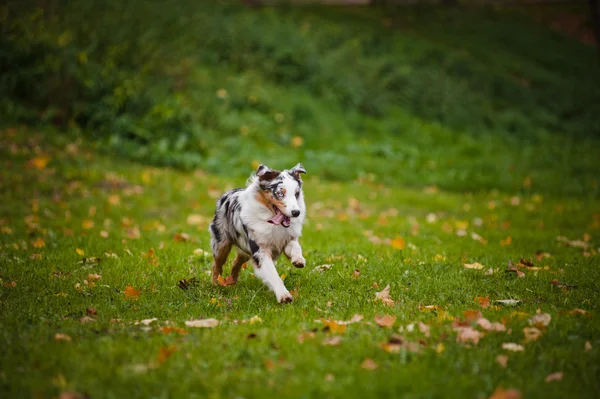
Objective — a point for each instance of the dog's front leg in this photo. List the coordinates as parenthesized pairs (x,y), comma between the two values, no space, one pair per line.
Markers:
(264,268)
(294,252)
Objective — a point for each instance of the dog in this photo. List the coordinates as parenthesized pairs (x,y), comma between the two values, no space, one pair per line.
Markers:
(263,221)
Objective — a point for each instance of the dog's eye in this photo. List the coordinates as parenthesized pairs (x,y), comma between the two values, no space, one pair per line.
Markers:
(279,194)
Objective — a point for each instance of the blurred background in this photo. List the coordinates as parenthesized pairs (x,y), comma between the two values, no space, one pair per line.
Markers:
(460,95)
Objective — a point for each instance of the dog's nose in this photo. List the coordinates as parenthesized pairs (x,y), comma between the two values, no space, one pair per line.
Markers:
(295,213)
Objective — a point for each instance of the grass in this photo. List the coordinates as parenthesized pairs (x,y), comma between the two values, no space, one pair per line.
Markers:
(62,201)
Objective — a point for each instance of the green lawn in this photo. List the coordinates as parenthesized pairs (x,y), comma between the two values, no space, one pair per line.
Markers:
(69,322)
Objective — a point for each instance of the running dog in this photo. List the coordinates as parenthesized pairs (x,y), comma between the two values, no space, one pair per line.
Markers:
(263,221)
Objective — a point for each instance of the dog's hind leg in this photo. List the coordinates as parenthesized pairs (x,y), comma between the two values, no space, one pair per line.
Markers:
(240,259)
(220,253)
(294,252)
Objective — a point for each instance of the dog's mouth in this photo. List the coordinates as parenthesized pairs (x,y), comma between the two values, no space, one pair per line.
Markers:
(279,218)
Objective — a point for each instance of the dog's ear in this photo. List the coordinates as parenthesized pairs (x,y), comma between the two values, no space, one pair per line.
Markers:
(264,173)
(296,170)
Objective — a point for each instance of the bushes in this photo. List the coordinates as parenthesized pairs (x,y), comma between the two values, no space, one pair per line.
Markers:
(189,84)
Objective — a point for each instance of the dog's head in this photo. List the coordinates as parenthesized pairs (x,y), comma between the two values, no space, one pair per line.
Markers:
(281,191)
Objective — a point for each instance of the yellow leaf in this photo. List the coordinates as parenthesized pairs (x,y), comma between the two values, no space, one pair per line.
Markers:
(87,224)
(507,241)
(398,243)
(164,354)
(334,326)
(39,162)
(439,348)
(297,141)
(79,251)
(369,364)
(475,265)
(38,243)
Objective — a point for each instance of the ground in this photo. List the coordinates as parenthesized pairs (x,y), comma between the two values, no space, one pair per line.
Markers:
(105,273)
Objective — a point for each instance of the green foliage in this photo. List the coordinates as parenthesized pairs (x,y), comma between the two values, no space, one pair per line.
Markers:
(422,97)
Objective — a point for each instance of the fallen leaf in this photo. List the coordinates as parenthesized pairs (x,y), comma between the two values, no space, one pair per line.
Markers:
(483,302)
(131,292)
(72,395)
(508,302)
(384,296)
(501,393)
(322,268)
(540,320)
(511,268)
(564,286)
(506,242)
(579,311)
(79,251)
(170,329)
(296,141)
(87,319)
(356,273)
(91,311)
(386,321)
(511,346)
(468,334)
(164,353)
(472,315)
(181,237)
(147,322)
(554,377)
(502,360)
(369,364)
(424,328)
(398,243)
(531,334)
(305,335)
(38,162)
(225,281)
(430,308)
(588,346)
(204,323)
(87,224)
(334,326)
(94,276)
(62,337)
(475,265)
(332,341)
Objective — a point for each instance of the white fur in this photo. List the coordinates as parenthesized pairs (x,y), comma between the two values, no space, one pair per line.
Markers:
(272,240)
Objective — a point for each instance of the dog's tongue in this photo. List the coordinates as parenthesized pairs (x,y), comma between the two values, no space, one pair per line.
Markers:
(278,218)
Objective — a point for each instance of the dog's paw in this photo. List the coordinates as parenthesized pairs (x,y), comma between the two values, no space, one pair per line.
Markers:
(299,262)
(285,298)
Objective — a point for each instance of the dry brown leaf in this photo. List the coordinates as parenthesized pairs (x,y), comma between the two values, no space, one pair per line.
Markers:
(87,319)
(468,334)
(332,341)
(511,346)
(540,320)
(131,292)
(483,302)
(164,353)
(147,322)
(356,273)
(501,393)
(424,328)
(531,334)
(169,329)
(306,335)
(588,346)
(203,323)
(384,296)
(62,337)
(181,237)
(369,364)
(91,311)
(502,360)
(386,321)
(554,377)
(472,315)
